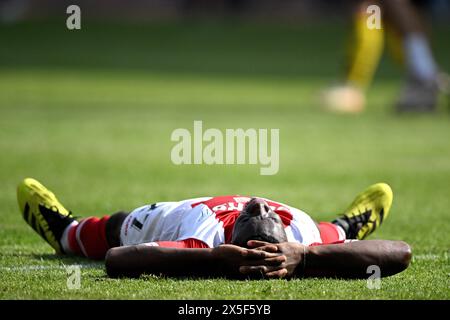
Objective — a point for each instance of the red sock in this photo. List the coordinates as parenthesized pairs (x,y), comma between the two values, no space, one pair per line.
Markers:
(330,233)
(88,238)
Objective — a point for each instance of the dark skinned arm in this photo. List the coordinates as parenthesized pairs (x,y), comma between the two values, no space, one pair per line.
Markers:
(225,260)
(346,260)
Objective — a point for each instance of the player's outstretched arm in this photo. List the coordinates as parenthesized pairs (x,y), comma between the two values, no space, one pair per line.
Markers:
(225,260)
(346,260)
(351,260)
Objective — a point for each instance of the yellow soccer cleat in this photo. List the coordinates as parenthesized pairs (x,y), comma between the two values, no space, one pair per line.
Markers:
(366,213)
(43,212)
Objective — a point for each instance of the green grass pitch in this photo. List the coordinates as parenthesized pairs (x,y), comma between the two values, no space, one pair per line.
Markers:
(90,113)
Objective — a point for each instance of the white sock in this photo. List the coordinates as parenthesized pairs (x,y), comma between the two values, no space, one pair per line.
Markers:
(341,232)
(419,58)
(65,238)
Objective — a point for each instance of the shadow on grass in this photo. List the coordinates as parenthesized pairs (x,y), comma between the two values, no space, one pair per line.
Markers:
(62,258)
(61,262)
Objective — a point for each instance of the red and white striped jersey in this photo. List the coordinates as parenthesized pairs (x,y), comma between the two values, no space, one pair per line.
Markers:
(209,220)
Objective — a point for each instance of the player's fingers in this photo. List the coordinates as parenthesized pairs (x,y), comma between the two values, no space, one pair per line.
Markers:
(277,274)
(268,248)
(262,270)
(257,243)
(259,254)
(273,261)
(262,245)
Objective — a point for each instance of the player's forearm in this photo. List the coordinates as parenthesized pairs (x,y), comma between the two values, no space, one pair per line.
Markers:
(133,261)
(350,260)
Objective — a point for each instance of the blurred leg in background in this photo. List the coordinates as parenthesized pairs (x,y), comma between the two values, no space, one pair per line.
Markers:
(403,27)
(363,56)
(12,11)
(421,87)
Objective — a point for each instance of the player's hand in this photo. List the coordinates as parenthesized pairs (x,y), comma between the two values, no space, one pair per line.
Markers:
(231,258)
(291,251)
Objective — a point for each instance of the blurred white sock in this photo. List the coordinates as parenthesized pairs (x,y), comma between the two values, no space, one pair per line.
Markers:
(341,232)
(65,238)
(419,58)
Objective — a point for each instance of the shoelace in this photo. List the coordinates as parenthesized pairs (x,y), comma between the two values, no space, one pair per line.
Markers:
(361,218)
(57,216)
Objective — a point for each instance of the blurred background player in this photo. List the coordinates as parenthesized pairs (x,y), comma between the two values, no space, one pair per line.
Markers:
(404,30)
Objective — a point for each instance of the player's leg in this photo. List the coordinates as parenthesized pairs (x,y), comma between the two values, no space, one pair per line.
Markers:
(421,87)
(367,211)
(365,50)
(90,237)
(331,233)
(364,215)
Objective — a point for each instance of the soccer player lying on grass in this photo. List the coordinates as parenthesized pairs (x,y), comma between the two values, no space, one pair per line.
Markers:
(230,236)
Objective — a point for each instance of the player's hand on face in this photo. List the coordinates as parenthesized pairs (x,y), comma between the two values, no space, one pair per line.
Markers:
(292,253)
(234,257)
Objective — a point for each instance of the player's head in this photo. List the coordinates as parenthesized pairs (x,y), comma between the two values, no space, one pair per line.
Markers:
(258,222)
